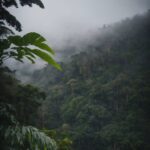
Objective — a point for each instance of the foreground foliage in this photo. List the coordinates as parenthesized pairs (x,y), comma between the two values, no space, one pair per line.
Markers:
(14,134)
(18,47)
(15,105)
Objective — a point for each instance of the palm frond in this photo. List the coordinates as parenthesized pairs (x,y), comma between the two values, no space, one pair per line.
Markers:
(28,137)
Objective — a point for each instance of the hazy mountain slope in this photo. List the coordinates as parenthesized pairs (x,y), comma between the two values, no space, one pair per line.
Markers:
(102,94)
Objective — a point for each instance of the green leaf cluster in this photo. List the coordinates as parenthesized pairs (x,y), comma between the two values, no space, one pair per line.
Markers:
(29,46)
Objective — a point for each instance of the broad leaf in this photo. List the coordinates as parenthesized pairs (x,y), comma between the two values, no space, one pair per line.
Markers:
(32,37)
(16,40)
(44,46)
(46,57)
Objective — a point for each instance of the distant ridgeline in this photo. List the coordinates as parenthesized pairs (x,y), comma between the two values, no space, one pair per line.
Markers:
(102,96)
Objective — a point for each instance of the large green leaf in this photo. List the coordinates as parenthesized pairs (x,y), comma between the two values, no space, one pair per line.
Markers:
(16,40)
(44,46)
(22,48)
(27,39)
(46,57)
(32,37)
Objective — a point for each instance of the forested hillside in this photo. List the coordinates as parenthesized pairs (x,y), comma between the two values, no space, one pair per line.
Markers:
(101,98)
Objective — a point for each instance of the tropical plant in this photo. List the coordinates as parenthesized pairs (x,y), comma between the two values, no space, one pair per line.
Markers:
(18,47)
(16,137)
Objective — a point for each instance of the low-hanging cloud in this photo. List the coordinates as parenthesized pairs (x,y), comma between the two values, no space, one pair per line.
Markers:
(63,22)
(62,19)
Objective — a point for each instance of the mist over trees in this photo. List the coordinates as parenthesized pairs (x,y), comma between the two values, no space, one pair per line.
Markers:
(101,98)
(98,99)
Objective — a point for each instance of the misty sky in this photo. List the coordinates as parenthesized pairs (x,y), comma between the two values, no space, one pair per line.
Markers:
(70,20)
(64,19)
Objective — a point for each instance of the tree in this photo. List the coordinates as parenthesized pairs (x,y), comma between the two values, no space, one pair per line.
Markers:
(111,110)
(14,135)
(19,47)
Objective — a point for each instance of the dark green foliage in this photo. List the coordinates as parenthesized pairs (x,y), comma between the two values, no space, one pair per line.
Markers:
(15,137)
(9,18)
(19,105)
(31,2)
(25,99)
(61,137)
(4,31)
(103,94)
(6,17)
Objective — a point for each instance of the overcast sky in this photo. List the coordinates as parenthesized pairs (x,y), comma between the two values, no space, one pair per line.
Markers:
(62,19)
